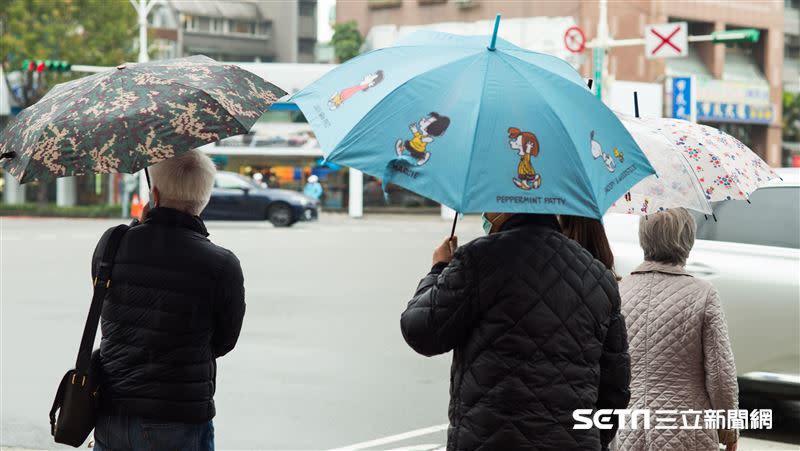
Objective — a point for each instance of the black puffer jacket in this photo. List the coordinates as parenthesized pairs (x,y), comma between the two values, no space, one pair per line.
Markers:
(175,304)
(535,325)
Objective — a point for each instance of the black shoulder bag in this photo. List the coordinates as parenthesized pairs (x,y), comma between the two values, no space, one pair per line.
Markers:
(77,398)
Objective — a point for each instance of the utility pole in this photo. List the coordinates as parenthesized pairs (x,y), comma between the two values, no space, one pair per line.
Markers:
(143,8)
(599,60)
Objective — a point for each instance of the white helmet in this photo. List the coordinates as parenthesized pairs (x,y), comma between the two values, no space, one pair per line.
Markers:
(313,179)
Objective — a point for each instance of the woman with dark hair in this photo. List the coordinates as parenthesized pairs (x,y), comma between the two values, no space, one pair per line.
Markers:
(591,235)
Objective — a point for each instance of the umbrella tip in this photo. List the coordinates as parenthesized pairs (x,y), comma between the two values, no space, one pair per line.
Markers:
(122,66)
(494,33)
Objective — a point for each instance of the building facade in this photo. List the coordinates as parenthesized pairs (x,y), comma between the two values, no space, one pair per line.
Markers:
(241,31)
(748,75)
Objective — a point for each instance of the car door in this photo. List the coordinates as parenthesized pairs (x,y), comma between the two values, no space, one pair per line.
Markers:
(228,198)
(751,255)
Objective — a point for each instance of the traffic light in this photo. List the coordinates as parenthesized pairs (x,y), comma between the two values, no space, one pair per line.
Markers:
(48,65)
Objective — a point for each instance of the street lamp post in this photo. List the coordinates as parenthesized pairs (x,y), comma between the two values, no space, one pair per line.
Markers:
(143,8)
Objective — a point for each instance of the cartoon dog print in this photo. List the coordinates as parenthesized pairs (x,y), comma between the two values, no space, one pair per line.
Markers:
(597,152)
(527,145)
(338,98)
(431,126)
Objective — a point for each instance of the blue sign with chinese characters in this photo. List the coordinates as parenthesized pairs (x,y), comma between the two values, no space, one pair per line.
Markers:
(682,98)
(734,112)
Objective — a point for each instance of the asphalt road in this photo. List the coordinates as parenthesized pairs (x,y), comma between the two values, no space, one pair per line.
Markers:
(320,363)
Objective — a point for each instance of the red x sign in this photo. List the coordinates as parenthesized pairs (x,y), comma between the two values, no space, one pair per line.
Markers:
(666,40)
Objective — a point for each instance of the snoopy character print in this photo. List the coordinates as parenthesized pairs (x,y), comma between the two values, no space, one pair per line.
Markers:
(423,133)
(597,152)
(526,145)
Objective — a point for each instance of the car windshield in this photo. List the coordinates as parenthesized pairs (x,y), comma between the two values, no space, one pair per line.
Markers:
(234,181)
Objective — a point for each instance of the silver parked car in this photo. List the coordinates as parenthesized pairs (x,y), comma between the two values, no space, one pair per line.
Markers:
(751,254)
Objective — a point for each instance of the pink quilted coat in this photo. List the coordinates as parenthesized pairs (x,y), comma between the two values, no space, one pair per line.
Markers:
(681,356)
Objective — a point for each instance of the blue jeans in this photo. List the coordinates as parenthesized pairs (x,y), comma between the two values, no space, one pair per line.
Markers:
(119,433)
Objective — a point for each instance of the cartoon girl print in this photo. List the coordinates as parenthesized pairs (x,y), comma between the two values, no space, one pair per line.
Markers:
(433,125)
(597,152)
(527,145)
(338,98)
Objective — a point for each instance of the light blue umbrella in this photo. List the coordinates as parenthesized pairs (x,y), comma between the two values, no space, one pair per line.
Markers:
(476,128)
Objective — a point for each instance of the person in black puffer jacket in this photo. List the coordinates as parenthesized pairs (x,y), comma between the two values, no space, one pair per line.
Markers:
(535,327)
(175,305)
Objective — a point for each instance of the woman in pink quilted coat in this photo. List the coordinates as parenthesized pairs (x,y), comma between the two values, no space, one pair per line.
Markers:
(681,356)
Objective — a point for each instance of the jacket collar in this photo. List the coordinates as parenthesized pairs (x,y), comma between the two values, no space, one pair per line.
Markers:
(666,268)
(175,218)
(529,219)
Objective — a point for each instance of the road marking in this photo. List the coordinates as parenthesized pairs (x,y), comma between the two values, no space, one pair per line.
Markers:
(423,447)
(393,438)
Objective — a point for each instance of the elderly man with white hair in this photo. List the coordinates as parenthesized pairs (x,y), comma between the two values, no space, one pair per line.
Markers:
(176,304)
(681,357)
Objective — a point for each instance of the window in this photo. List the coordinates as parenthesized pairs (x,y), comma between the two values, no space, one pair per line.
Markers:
(191,23)
(307,9)
(216,26)
(242,27)
(772,218)
(231,181)
(264,28)
(377,4)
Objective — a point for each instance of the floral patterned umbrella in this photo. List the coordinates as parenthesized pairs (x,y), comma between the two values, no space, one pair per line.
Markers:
(695,165)
(131,117)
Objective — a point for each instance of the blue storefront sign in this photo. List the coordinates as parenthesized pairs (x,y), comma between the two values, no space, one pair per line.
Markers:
(721,100)
(682,97)
(734,112)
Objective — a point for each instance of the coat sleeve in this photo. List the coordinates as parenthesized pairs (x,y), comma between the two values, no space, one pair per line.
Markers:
(721,384)
(441,314)
(615,369)
(229,309)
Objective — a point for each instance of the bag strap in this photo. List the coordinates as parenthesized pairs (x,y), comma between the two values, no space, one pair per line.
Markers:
(102,282)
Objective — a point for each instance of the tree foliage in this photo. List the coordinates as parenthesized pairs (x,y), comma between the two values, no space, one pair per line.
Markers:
(91,32)
(346,41)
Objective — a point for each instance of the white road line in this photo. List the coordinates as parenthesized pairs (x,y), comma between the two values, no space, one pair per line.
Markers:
(423,447)
(393,438)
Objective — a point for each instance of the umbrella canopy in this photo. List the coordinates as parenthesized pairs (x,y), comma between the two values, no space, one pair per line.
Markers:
(696,165)
(136,115)
(497,129)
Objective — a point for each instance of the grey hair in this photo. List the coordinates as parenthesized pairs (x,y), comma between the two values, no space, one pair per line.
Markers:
(667,236)
(184,182)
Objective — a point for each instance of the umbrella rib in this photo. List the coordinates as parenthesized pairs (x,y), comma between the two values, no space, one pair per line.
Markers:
(474,136)
(508,52)
(203,91)
(561,124)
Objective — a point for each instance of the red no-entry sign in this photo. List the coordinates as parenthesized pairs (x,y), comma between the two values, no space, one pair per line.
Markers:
(667,40)
(575,40)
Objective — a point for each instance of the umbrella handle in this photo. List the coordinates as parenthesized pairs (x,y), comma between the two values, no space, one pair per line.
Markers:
(147,176)
(8,155)
(453,230)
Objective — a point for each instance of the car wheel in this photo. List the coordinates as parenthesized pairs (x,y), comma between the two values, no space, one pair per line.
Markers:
(280,215)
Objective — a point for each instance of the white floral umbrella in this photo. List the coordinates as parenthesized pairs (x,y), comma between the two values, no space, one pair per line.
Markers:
(696,165)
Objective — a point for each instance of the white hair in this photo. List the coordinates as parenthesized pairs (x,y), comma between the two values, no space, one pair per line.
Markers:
(667,236)
(184,182)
